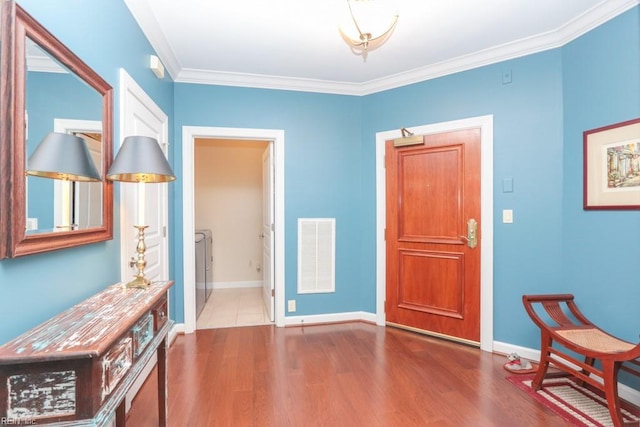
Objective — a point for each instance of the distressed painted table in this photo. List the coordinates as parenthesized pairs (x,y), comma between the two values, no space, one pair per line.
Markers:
(76,368)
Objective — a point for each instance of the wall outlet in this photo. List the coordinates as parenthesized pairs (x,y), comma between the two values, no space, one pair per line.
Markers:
(32,224)
(291,305)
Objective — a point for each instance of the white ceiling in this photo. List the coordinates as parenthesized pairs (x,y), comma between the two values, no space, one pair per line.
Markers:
(295,44)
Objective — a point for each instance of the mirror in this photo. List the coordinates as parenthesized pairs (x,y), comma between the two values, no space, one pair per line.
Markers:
(46,88)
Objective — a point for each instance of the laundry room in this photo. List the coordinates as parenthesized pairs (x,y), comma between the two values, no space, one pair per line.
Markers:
(228,211)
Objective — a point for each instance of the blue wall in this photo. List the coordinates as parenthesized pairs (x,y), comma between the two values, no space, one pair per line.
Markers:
(552,246)
(105,36)
(322,151)
(601,86)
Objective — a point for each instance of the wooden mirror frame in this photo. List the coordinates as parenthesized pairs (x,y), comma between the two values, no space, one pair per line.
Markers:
(17,25)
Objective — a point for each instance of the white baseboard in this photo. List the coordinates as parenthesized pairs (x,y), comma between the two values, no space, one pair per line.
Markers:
(506,348)
(237,285)
(627,393)
(176,329)
(330,318)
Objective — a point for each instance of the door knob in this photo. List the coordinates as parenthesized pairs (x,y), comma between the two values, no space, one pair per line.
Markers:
(472,233)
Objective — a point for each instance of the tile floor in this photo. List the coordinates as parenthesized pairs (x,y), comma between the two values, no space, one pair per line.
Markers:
(227,308)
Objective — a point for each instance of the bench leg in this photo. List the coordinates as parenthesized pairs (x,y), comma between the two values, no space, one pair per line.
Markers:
(587,361)
(610,376)
(536,384)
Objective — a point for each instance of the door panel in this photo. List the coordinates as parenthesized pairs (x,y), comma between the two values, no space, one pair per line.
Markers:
(268,281)
(433,276)
(426,175)
(430,267)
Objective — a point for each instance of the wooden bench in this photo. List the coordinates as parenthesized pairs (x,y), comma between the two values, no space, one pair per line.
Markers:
(562,324)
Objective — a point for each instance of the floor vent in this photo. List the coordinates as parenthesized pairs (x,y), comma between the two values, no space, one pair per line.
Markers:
(316,255)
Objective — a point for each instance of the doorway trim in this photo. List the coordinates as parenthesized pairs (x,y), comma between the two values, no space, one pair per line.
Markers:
(485,123)
(189,134)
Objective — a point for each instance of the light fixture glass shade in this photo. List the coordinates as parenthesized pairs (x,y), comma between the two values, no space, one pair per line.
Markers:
(62,156)
(368,24)
(140,159)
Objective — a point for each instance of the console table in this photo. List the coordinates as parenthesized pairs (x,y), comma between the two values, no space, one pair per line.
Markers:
(76,368)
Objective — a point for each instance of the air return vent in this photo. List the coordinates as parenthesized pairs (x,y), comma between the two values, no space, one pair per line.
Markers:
(316,255)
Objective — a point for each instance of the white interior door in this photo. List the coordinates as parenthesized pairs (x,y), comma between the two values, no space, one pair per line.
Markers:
(79,203)
(87,205)
(141,116)
(268,294)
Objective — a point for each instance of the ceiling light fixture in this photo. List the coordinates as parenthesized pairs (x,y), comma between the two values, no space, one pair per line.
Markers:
(369,25)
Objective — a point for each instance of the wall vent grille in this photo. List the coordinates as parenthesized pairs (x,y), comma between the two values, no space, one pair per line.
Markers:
(316,255)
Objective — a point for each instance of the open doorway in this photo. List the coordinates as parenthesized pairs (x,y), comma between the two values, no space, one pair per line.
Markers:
(231,202)
(275,139)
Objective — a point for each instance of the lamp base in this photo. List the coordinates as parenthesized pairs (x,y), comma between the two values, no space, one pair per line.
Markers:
(139,282)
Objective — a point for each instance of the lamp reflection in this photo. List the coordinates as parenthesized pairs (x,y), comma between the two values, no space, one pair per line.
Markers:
(63,157)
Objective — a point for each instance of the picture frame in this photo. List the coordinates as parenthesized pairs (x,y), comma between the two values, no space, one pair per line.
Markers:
(612,166)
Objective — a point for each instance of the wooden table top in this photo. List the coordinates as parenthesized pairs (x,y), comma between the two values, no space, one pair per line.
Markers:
(86,329)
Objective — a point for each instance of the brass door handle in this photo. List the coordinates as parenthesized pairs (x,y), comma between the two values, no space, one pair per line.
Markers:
(472,233)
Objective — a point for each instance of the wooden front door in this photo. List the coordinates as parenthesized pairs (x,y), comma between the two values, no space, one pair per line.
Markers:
(433,197)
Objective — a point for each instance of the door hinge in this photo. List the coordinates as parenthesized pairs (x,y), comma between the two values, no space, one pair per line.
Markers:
(273,292)
(273,227)
(164,231)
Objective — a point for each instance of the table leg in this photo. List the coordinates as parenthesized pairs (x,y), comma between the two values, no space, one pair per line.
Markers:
(162,384)
(121,414)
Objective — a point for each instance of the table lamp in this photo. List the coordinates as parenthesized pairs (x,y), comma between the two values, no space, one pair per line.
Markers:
(141,160)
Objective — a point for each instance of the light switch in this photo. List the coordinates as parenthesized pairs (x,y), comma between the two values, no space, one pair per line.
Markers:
(507,185)
(507,216)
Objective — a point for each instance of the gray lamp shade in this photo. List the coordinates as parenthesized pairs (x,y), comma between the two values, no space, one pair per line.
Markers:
(140,159)
(62,156)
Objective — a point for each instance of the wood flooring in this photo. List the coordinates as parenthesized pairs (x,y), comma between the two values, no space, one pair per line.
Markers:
(351,374)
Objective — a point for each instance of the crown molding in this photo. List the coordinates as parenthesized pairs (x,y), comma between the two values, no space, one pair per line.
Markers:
(44,64)
(190,75)
(582,24)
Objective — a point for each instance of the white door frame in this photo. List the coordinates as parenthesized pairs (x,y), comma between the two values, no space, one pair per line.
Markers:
(485,123)
(189,134)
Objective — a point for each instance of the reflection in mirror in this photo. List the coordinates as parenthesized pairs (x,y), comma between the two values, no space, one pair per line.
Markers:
(58,100)
(46,88)
(78,205)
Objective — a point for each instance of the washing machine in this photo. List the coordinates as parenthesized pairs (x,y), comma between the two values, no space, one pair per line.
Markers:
(204,267)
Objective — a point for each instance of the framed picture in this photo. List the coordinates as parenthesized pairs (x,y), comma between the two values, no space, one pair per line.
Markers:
(612,166)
